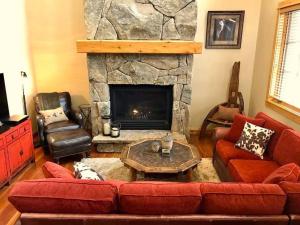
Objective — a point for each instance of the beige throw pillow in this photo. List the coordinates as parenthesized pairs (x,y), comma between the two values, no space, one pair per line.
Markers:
(226,113)
(254,139)
(53,115)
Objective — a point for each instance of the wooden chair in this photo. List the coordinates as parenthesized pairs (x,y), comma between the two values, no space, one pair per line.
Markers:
(235,100)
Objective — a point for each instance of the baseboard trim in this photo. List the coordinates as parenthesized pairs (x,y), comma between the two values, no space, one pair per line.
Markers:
(194,132)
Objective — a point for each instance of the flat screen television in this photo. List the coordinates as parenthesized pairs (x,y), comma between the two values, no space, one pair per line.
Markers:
(4,111)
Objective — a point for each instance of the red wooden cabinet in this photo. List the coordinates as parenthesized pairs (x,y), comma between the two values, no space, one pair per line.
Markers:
(16,150)
(3,166)
(14,158)
(26,147)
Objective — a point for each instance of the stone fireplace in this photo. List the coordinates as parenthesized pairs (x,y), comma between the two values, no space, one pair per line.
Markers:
(141,20)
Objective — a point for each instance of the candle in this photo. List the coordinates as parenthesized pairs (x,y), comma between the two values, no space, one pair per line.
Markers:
(106,129)
(115,132)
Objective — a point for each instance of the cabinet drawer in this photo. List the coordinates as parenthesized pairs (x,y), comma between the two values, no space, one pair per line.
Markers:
(12,136)
(1,142)
(24,129)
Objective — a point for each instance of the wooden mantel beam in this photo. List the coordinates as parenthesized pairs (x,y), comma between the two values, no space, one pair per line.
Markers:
(140,46)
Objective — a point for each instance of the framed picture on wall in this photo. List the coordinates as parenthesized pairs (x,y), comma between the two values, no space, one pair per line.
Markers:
(224,29)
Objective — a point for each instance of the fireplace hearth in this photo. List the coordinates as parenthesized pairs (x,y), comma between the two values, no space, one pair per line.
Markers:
(142,107)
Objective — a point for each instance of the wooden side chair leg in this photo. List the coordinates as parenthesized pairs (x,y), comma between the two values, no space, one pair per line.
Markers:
(203,128)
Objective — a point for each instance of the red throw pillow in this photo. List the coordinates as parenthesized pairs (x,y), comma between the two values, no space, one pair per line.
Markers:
(159,198)
(65,196)
(289,172)
(52,170)
(238,125)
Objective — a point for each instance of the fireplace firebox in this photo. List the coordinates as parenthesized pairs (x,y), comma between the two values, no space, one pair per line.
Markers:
(142,107)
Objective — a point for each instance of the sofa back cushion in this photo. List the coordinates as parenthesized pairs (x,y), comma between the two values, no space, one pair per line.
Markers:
(274,125)
(64,196)
(289,172)
(292,191)
(52,170)
(288,148)
(237,127)
(242,199)
(159,198)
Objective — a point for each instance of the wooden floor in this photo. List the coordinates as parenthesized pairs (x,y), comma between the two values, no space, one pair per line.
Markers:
(9,215)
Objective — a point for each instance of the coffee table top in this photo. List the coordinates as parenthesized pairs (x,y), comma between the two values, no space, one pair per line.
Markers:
(140,157)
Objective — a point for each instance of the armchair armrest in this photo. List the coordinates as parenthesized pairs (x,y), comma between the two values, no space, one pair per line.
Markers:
(40,128)
(220,133)
(77,117)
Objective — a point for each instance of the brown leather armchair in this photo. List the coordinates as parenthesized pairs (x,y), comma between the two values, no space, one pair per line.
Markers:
(46,101)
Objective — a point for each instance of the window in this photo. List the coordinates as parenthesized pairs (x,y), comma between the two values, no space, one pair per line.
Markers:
(284,91)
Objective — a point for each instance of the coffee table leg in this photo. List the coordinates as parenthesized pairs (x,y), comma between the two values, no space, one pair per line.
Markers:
(140,175)
(133,174)
(190,174)
(182,176)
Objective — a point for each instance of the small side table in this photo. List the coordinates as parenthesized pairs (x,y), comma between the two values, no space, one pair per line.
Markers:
(85,110)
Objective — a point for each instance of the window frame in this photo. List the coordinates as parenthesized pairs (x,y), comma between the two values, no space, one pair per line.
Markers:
(281,107)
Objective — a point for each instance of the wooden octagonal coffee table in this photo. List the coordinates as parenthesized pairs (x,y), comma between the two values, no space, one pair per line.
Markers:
(142,160)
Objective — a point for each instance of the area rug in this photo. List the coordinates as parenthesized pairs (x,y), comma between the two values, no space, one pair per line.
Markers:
(114,169)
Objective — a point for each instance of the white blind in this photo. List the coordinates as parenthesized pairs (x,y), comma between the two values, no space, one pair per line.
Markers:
(285,84)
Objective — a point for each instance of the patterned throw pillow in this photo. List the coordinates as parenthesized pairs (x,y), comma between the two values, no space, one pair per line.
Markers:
(254,139)
(84,172)
(53,115)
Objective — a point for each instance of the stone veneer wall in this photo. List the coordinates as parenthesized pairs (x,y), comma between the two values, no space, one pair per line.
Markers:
(141,20)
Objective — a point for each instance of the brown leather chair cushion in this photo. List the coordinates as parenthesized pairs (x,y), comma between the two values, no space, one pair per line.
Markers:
(61,126)
(67,139)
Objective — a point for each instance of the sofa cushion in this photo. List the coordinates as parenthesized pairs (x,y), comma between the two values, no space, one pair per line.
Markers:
(227,151)
(289,172)
(251,171)
(64,196)
(238,125)
(242,199)
(159,198)
(274,125)
(61,126)
(288,148)
(292,191)
(52,170)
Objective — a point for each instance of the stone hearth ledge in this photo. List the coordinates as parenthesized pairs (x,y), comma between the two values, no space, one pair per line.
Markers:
(109,144)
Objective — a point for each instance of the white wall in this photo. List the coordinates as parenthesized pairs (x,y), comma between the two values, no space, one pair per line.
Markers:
(212,69)
(14,54)
(263,62)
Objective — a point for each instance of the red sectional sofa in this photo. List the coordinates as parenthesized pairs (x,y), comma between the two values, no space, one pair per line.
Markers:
(61,199)
(70,201)
(235,165)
